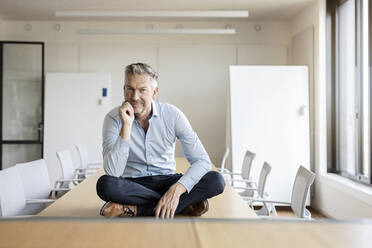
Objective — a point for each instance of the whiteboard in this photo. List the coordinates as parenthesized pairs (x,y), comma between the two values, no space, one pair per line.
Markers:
(74,115)
(269,116)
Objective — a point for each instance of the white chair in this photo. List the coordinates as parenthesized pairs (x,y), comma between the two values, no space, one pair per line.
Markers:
(304,179)
(36,180)
(70,175)
(85,165)
(222,169)
(259,192)
(246,174)
(12,196)
(245,171)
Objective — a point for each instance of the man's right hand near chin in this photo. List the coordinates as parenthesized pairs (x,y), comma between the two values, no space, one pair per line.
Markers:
(126,113)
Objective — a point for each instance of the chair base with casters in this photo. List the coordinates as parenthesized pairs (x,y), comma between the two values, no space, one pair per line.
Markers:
(266,209)
(60,186)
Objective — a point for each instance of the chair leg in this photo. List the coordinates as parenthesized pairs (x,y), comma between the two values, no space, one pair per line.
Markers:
(273,209)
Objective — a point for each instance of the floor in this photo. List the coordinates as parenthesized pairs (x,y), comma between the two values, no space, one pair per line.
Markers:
(287,212)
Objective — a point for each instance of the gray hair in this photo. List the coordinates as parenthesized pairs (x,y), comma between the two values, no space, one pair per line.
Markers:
(142,68)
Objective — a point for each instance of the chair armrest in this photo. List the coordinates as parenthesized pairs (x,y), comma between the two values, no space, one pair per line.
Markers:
(33,201)
(243,180)
(247,188)
(265,200)
(60,189)
(70,180)
(284,218)
(81,171)
(232,173)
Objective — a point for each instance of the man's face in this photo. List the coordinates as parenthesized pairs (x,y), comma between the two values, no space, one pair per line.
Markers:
(139,93)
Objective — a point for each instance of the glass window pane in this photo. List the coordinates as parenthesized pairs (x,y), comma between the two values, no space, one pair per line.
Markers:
(13,154)
(346,88)
(22,91)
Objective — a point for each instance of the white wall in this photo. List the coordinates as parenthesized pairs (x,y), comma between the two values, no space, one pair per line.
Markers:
(2,31)
(193,68)
(334,196)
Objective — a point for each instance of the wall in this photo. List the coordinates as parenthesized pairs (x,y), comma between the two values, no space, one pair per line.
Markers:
(333,196)
(193,68)
(2,31)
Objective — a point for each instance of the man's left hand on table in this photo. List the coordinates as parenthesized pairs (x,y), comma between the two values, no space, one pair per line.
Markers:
(167,205)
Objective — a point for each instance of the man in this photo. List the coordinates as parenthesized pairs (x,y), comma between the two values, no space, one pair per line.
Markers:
(138,156)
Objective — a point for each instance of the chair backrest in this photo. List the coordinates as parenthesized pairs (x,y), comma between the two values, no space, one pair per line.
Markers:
(12,195)
(35,179)
(266,168)
(304,179)
(224,159)
(65,160)
(247,164)
(83,154)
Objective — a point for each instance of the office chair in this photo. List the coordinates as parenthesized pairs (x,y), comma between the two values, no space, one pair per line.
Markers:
(304,179)
(69,174)
(85,165)
(12,195)
(36,180)
(259,192)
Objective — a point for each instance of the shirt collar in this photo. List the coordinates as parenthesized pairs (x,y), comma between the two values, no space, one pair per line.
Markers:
(154,109)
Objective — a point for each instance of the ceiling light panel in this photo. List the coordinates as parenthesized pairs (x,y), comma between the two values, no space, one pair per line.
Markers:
(166,14)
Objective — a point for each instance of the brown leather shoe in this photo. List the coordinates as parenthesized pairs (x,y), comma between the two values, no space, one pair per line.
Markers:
(196,209)
(111,210)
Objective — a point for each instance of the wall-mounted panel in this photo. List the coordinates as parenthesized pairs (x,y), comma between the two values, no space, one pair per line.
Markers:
(269,116)
(74,115)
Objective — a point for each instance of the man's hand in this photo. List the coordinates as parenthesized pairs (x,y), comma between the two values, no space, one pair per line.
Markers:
(167,205)
(126,113)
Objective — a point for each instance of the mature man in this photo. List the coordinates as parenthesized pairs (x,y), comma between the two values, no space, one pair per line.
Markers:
(138,150)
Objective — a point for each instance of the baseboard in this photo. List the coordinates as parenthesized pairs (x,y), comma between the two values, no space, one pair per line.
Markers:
(318,209)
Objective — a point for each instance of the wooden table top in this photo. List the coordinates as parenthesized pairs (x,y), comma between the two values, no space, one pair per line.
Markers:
(82,201)
(188,232)
(283,234)
(96,233)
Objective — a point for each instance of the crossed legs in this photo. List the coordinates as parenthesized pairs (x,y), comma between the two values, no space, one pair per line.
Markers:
(145,192)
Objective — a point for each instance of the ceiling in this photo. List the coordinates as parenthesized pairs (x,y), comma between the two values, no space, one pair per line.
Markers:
(44,10)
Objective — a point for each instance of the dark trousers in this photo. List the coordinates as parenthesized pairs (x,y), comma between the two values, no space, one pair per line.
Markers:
(145,192)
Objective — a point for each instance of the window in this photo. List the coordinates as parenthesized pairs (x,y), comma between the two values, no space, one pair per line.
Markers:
(349,88)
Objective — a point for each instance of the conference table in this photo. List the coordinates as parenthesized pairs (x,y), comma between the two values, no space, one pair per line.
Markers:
(83,201)
(74,221)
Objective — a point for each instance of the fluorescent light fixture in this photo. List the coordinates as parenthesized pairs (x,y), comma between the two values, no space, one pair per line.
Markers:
(161,13)
(156,31)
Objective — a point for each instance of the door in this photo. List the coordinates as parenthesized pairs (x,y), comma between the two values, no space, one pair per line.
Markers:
(22,84)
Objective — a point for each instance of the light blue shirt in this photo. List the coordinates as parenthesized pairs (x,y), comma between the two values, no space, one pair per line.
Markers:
(152,153)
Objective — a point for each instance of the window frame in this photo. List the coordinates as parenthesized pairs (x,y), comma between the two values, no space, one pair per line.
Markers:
(333,164)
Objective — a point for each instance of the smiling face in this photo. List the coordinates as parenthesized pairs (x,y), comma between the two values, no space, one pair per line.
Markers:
(138,91)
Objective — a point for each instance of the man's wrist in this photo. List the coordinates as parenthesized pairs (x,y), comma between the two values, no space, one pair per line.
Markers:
(125,131)
(179,188)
